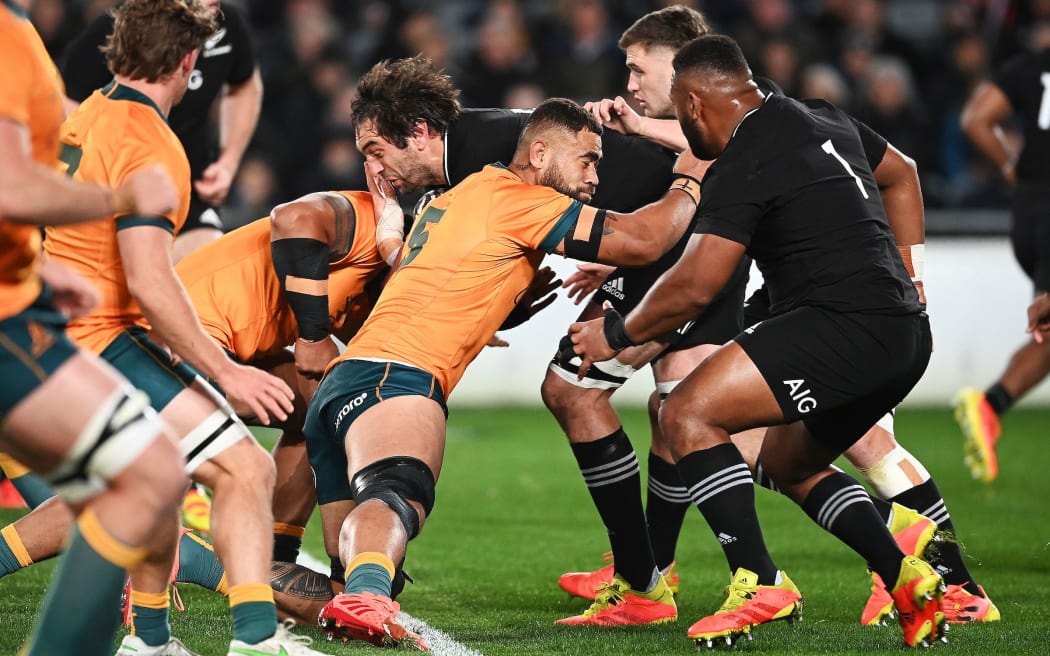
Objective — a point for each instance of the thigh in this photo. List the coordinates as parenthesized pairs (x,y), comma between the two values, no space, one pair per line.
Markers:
(349,393)
(1031,203)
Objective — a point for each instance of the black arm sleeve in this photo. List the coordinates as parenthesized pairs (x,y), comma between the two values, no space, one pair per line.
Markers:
(243,51)
(306,259)
(83,64)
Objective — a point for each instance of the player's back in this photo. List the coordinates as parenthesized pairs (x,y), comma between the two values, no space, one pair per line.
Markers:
(115,132)
(30,95)
(1025,80)
(235,290)
(796,173)
(472,252)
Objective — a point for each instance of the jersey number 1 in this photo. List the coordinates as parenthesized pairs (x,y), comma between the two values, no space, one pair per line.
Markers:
(830,150)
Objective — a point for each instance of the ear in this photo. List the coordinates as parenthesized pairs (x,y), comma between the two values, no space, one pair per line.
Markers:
(538,154)
(189,61)
(420,135)
(696,106)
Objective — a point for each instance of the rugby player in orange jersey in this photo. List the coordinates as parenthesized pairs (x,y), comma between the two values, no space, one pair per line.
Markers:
(376,426)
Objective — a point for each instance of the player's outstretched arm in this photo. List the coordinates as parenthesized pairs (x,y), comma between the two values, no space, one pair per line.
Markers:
(33,193)
(679,295)
(898,179)
(145,252)
(643,236)
(985,110)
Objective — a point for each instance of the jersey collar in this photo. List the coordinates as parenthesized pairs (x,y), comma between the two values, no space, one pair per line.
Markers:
(116,91)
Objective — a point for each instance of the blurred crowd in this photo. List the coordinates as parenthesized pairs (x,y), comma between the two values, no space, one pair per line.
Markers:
(905,67)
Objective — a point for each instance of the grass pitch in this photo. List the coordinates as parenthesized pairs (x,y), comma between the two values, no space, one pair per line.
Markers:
(513,513)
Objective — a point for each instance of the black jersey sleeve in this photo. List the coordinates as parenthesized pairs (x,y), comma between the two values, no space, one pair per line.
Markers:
(83,64)
(874,144)
(1012,77)
(729,207)
(243,51)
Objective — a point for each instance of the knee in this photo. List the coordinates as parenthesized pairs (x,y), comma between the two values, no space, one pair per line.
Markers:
(403,484)
(559,396)
(246,466)
(674,421)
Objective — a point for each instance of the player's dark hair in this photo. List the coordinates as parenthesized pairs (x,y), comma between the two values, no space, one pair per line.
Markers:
(671,27)
(560,113)
(395,95)
(711,53)
(150,37)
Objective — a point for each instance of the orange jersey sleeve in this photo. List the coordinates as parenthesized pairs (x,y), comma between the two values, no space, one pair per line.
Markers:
(471,254)
(30,95)
(116,132)
(238,297)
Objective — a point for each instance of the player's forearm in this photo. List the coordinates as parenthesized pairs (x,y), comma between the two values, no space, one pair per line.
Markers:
(990,140)
(38,195)
(648,233)
(166,305)
(666,132)
(238,116)
(904,211)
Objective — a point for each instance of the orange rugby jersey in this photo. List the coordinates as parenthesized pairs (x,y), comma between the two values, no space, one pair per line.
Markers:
(471,254)
(115,132)
(238,297)
(31,94)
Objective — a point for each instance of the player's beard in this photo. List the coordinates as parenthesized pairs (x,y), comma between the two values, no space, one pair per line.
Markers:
(415,176)
(697,144)
(552,177)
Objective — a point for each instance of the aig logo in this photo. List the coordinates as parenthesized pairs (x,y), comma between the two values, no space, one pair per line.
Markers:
(803,397)
(352,405)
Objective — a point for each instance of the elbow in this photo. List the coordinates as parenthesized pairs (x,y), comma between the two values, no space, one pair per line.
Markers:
(286,220)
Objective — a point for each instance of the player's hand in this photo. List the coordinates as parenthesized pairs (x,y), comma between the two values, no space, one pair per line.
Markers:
(541,291)
(390,220)
(254,393)
(615,113)
(497,342)
(588,342)
(214,184)
(72,295)
(1039,317)
(588,277)
(149,191)
(311,358)
(690,164)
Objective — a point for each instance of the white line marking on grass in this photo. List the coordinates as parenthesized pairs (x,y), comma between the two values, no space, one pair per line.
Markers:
(440,643)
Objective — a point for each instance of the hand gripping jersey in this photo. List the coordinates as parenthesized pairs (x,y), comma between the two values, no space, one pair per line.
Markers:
(470,255)
(30,95)
(237,295)
(115,133)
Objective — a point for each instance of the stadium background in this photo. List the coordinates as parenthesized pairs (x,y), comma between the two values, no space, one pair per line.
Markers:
(903,66)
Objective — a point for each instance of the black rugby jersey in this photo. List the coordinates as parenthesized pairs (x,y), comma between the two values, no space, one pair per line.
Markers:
(1025,80)
(795,186)
(226,57)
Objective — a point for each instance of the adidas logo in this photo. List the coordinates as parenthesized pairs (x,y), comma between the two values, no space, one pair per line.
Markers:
(614,287)
(726,539)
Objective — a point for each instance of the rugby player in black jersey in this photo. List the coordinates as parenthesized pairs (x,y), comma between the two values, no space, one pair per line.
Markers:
(1018,88)
(793,188)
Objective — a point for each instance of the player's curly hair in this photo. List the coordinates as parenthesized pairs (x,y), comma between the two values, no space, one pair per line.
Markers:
(150,37)
(671,27)
(395,95)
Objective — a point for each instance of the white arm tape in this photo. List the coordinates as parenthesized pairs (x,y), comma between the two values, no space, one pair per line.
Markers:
(391,224)
(918,261)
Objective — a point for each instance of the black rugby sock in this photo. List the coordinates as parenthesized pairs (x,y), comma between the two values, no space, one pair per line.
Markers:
(843,508)
(998,398)
(610,470)
(667,500)
(721,487)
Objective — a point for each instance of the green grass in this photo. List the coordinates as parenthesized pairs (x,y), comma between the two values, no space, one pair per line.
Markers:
(512,514)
